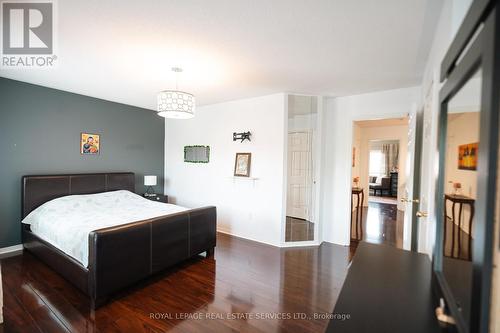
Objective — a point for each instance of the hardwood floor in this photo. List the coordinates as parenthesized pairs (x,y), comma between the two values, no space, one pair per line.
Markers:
(298,230)
(380,199)
(457,243)
(381,224)
(248,281)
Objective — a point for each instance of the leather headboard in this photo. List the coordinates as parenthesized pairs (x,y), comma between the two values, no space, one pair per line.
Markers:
(37,190)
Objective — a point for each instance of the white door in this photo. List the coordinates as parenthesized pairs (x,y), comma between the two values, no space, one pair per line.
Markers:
(426,228)
(299,190)
(412,186)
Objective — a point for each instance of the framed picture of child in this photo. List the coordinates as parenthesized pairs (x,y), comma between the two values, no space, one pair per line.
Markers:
(90,144)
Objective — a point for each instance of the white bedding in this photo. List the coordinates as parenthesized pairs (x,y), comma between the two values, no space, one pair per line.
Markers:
(66,222)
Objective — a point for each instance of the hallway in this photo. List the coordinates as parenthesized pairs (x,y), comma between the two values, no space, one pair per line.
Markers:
(381,223)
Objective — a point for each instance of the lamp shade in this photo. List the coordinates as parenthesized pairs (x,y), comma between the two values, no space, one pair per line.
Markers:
(176,104)
(150,180)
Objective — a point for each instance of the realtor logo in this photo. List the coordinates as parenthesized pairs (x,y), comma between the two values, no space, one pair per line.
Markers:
(28,34)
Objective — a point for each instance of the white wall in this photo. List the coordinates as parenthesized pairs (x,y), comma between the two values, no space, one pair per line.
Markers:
(302,122)
(339,114)
(451,16)
(247,208)
(211,124)
(463,128)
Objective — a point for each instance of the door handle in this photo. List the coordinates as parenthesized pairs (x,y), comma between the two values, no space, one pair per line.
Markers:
(422,214)
(410,200)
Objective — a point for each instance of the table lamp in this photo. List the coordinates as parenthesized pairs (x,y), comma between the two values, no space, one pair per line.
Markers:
(150,181)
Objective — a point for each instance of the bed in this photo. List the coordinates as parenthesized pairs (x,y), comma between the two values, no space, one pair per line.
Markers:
(118,255)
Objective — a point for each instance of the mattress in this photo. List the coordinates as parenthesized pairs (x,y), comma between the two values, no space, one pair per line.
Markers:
(66,222)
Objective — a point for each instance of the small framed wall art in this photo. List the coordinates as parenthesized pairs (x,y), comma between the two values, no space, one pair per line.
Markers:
(242,164)
(90,144)
(196,154)
(467,156)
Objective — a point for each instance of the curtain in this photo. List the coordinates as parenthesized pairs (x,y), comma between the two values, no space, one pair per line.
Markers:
(391,155)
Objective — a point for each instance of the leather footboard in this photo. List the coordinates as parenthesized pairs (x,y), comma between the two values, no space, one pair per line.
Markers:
(59,261)
(123,255)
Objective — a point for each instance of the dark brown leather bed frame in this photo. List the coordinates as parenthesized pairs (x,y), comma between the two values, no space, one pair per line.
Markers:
(118,256)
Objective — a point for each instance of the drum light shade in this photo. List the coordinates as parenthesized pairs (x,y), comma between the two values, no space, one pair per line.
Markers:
(176,104)
(150,180)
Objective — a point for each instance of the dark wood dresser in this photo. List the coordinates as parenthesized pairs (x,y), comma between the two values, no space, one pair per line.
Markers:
(394,184)
(386,290)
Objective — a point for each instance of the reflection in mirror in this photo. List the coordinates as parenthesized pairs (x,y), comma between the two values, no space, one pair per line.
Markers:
(460,187)
(495,295)
(301,168)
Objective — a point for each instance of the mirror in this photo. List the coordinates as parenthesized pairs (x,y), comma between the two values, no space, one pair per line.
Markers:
(460,190)
(196,154)
(301,197)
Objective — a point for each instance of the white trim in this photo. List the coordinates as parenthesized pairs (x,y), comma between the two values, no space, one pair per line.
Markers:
(318,226)
(247,238)
(314,243)
(10,249)
(382,116)
(287,244)
(285,171)
(375,116)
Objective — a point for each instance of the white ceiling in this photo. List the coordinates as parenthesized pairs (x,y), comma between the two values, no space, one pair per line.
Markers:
(230,49)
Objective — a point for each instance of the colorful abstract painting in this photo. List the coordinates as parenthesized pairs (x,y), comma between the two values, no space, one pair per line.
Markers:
(467,156)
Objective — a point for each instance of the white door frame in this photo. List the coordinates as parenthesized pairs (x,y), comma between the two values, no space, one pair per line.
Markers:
(379,116)
(413,180)
(318,237)
(427,233)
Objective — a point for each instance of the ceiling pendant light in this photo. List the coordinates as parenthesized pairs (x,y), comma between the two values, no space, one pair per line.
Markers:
(174,103)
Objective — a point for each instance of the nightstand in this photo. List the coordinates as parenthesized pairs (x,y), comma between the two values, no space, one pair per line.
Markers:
(159,198)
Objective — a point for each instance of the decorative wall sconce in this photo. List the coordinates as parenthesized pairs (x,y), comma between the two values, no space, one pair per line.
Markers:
(242,136)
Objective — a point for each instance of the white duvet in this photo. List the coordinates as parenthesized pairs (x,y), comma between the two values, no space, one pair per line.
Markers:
(66,222)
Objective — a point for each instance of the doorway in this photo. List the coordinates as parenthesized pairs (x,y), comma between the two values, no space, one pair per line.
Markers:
(302,156)
(383,171)
(379,160)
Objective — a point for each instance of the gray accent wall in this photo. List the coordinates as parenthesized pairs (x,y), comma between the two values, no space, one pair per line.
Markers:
(40,134)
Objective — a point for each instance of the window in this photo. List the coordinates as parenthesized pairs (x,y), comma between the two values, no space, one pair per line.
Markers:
(377,163)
